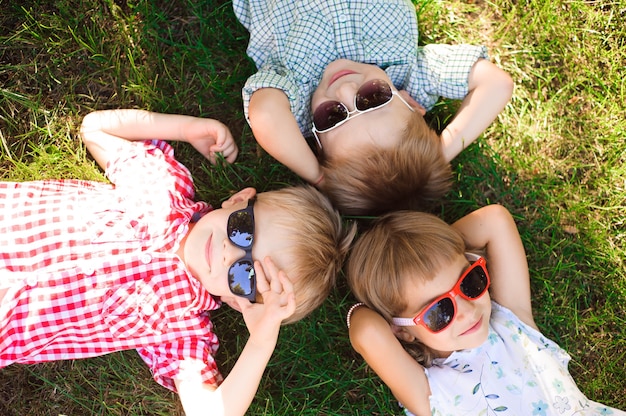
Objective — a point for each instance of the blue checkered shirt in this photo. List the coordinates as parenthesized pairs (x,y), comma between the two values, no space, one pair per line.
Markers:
(292,42)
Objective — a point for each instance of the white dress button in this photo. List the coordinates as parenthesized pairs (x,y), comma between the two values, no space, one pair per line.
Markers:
(146,258)
(147,309)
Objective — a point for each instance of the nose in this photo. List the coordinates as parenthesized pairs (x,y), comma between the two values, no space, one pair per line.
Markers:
(464,308)
(231,253)
(346,93)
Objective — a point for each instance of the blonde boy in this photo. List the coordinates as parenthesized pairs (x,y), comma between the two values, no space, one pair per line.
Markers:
(89,268)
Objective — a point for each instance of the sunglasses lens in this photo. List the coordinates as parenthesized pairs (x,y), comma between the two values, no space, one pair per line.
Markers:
(475,283)
(438,316)
(329,114)
(241,228)
(241,278)
(373,94)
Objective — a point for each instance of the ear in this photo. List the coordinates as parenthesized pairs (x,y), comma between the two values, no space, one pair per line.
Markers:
(402,334)
(240,196)
(416,106)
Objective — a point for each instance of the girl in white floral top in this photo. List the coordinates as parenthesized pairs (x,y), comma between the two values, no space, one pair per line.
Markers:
(448,336)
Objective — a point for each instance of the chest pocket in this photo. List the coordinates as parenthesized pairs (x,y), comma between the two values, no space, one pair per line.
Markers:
(388,34)
(136,309)
(307,56)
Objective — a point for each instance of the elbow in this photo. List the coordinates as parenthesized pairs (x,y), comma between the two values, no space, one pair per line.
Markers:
(88,125)
(508,86)
(499,214)
(505,85)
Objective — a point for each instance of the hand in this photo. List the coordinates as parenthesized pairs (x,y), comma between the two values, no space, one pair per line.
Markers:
(210,137)
(279,302)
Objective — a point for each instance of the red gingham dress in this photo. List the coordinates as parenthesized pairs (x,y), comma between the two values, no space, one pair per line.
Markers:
(89,268)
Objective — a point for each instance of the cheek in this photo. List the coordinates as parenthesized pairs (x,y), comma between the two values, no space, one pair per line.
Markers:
(423,335)
(317,98)
(230,301)
(339,144)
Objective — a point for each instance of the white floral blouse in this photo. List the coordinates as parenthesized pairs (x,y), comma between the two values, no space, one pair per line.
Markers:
(517,371)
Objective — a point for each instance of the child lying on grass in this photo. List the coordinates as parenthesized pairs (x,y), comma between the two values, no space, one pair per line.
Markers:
(448,336)
(89,268)
(350,75)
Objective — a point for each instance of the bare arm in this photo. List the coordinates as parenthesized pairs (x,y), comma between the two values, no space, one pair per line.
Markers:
(493,228)
(276,130)
(234,395)
(490,89)
(102,131)
(372,337)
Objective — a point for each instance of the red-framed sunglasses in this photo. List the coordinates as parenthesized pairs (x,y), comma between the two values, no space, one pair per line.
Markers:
(438,314)
(370,96)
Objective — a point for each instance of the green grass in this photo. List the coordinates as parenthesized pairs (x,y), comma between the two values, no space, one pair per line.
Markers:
(555,157)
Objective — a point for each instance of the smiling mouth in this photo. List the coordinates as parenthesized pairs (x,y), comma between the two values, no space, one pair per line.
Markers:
(339,75)
(474,327)
(207,253)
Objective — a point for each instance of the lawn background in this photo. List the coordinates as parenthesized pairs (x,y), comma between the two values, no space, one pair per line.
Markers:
(555,157)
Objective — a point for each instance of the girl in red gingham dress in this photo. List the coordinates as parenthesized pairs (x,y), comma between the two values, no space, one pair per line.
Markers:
(90,268)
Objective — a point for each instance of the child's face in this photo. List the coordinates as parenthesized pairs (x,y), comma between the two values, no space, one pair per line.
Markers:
(381,128)
(209,253)
(469,327)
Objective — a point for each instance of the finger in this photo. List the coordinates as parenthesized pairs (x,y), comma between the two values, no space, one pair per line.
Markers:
(270,267)
(262,285)
(231,153)
(290,308)
(285,282)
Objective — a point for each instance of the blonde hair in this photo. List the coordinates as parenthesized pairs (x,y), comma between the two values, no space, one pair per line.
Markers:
(319,243)
(400,247)
(373,180)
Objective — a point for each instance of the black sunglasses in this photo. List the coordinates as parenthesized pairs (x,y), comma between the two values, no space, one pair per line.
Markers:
(241,274)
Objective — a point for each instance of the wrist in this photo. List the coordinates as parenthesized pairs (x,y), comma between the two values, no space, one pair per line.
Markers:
(318,180)
(263,342)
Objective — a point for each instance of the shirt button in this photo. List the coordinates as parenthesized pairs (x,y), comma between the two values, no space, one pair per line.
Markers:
(343,18)
(88,271)
(146,258)
(147,309)
(31,281)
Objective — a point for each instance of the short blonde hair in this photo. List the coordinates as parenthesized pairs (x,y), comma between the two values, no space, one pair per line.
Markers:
(373,180)
(400,247)
(319,243)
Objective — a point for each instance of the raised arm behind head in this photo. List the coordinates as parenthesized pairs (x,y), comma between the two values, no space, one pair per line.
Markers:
(104,131)
(276,130)
(493,229)
(490,89)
